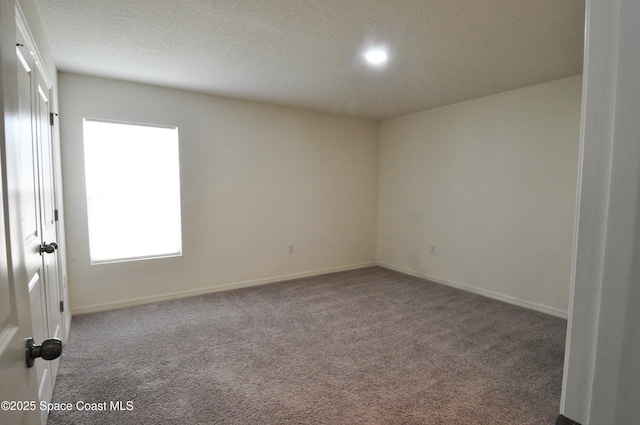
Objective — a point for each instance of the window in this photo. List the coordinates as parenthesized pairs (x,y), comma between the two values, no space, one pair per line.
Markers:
(133,191)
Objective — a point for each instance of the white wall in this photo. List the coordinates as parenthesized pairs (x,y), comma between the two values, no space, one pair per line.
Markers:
(255,178)
(491,183)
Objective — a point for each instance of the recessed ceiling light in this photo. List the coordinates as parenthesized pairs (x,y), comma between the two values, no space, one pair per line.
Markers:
(376,56)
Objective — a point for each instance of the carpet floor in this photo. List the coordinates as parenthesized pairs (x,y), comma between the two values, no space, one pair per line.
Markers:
(369,346)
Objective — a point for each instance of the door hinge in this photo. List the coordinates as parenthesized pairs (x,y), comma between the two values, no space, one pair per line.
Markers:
(55,215)
(51,115)
(61,306)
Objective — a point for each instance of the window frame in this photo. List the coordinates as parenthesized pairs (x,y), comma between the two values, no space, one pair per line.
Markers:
(96,255)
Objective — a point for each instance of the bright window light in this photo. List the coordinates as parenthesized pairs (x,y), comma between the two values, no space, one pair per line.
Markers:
(133,191)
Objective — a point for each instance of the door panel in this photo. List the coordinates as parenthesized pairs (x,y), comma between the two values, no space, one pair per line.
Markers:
(47,214)
(30,200)
(28,155)
(18,383)
(36,187)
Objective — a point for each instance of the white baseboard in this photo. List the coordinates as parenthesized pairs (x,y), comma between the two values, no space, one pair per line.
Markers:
(207,290)
(489,294)
(245,284)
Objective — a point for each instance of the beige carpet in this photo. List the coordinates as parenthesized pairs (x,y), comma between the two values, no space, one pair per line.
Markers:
(369,346)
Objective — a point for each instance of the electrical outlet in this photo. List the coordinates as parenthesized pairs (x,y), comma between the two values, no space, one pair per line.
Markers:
(291,248)
(432,250)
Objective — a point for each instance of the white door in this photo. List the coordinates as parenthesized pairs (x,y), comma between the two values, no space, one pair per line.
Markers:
(18,383)
(37,207)
(47,212)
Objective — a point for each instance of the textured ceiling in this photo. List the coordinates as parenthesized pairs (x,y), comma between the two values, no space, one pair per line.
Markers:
(308,53)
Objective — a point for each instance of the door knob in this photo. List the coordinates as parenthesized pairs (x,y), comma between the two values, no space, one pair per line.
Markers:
(49,350)
(48,248)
